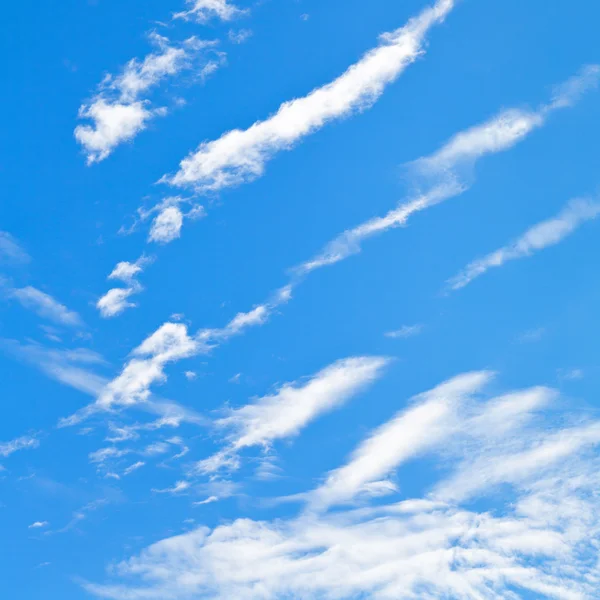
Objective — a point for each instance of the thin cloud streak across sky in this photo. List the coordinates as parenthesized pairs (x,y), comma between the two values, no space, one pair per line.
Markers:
(444,168)
(445,173)
(540,236)
(241,155)
(290,409)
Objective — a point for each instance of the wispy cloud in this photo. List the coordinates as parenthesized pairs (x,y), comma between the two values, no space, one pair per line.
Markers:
(241,155)
(540,236)
(70,367)
(11,252)
(420,427)
(25,442)
(405,331)
(44,305)
(39,525)
(132,386)
(118,112)
(204,10)
(291,408)
(448,172)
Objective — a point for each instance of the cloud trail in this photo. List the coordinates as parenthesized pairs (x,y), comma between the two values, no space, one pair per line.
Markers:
(540,236)
(241,155)
(285,413)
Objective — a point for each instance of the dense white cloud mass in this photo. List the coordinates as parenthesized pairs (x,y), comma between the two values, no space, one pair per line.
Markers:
(203,10)
(166,227)
(534,531)
(239,155)
(118,112)
(540,236)
(291,408)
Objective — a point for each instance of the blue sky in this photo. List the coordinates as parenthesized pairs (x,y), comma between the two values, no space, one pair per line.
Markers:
(298,300)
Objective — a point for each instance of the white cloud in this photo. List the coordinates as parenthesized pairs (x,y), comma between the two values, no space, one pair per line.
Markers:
(25,442)
(113,124)
(203,10)
(414,430)
(132,386)
(540,236)
(537,536)
(62,365)
(46,306)
(239,37)
(10,251)
(180,486)
(39,525)
(116,300)
(133,467)
(410,550)
(405,331)
(208,500)
(166,227)
(241,155)
(118,112)
(291,408)
(446,173)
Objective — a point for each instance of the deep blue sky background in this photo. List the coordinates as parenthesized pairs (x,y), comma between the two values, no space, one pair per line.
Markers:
(485,57)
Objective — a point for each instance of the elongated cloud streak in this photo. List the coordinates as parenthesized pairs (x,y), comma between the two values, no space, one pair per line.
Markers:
(45,306)
(447,172)
(540,236)
(432,418)
(25,442)
(285,413)
(240,156)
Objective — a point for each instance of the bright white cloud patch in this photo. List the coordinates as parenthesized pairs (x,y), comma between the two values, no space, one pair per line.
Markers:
(116,300)
(119,112)
(204,10)
(286,412)
(166,227)
(432,419)
(537,535)
(241,155)
(540,236)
